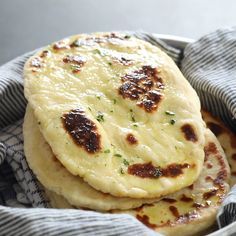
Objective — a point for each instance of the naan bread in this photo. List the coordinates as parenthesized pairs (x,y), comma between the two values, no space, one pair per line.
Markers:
(227,140)
(192,210)
(57,201)
(117,112)
(54,176)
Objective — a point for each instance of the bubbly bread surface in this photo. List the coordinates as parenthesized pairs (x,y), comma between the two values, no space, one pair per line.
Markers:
(117,112)
(55,177)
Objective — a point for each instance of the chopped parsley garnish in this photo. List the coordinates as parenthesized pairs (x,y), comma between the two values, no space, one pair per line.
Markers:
(117,155)
(89,108)
(107,151)
(125,162)
(111,111)
(135,125)
(100,117)
(132,115)
(127,37)
(73,67)
(122,171)
(109,63)
(172,121)
(97,51)
(98,97)
(114,101)
(169,113)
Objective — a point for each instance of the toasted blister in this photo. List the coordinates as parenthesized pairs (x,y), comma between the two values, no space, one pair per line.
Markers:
(190,211)
(55,177)
(227,140)
(117,112)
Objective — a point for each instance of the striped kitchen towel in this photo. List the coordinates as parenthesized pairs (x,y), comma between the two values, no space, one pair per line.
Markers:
(210,72)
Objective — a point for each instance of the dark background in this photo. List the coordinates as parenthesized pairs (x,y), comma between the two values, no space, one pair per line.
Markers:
(29,24)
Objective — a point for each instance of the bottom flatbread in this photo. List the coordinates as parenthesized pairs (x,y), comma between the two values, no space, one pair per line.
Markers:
(193,209)
(227,140)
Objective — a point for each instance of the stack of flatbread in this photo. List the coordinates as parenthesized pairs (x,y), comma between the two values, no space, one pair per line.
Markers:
(112,125)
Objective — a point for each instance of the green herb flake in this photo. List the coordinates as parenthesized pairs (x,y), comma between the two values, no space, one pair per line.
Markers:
(132,115)
(111,111)
(127,36)
(74,67)
(100,117)
(109,63)
(135,125)
(114,101)
(122,171)
(39,123)
(117,155)
(107,151)
(98,97)
(126,163)
(133,118)
(169,113)
(90,108)
(172,121)
(97,51)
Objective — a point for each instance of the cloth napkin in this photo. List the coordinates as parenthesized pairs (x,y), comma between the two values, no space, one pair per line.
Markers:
(208,64)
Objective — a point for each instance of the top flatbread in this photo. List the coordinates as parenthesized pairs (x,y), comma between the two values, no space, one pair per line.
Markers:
(117,112)
(54,176)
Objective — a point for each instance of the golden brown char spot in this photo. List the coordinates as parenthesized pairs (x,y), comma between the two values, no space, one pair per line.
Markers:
(190,186)
(233,156)
(92,40)
(188,217)
(145,220)
(82,130)
(144,86)
(123,61)
(209,149)
(209,194)
(75,61)
(215,128)
(209,165)
(147,170)
(131,139)
(169,200)
(44,53)
(36,62)
(189,133)
(184,198)
(174,211)
(60,46)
